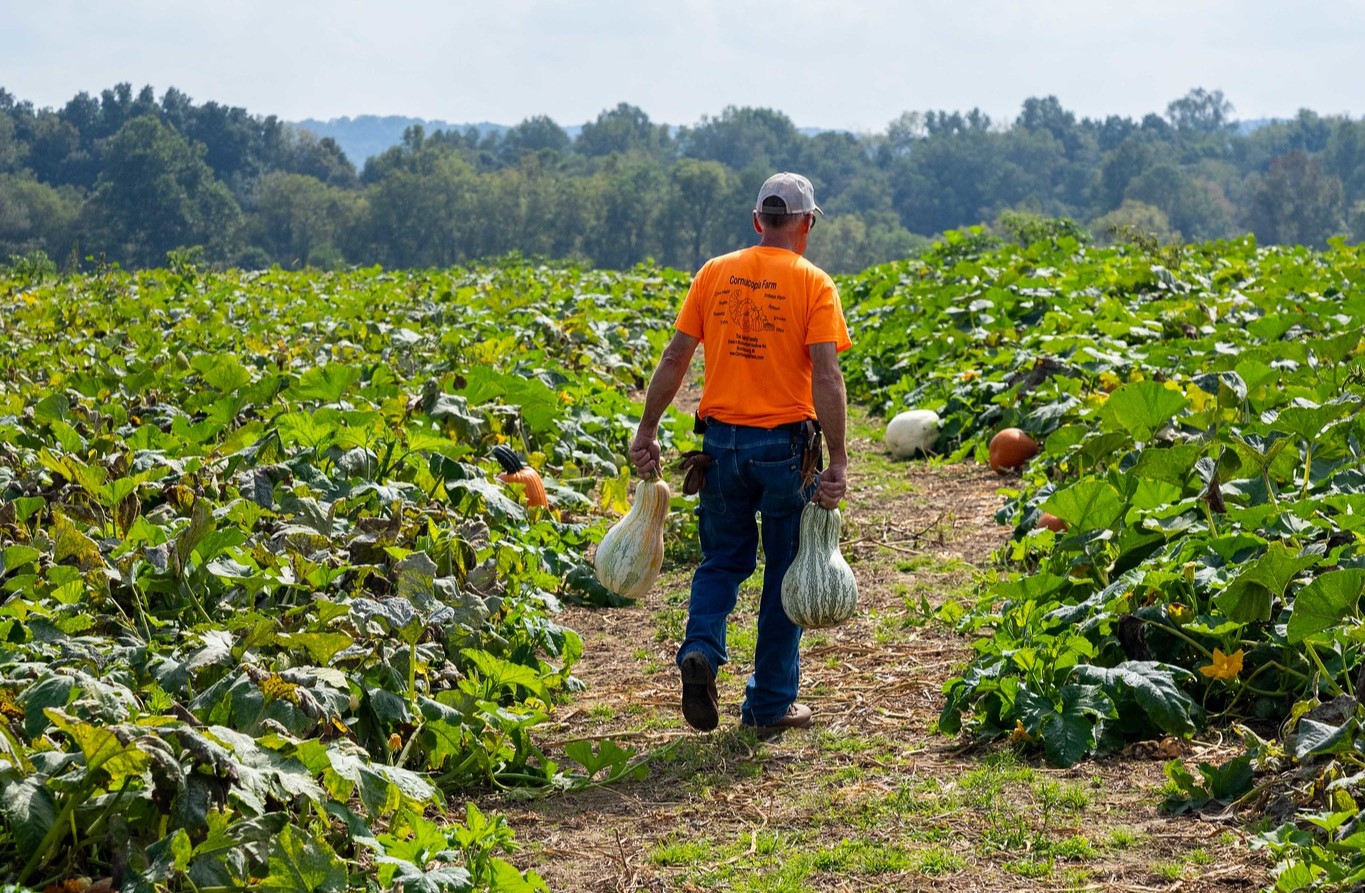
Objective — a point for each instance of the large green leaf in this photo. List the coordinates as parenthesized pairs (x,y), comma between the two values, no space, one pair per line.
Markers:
(490,495)
(1325,602)
(1308,420)
(412,878)
(54,690)
(1089,504)
(53,407)
(222,371)
(1144,407)
(1249,596)
(327,383)
(381,788)
(505,674)
(539,403)
(507,879)
(1171,464)
(1067,737)
(28,807)
(1153,685)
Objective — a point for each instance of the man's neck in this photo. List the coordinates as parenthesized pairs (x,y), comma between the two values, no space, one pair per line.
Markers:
(778,240)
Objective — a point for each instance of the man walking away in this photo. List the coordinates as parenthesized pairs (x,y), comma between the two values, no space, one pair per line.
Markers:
(772,328)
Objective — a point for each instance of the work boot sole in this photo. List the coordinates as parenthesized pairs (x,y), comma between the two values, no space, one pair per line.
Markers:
(698,693)
(798,717)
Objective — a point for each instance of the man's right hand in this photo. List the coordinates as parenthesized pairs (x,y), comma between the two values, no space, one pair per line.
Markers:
(645,454)
(833,486)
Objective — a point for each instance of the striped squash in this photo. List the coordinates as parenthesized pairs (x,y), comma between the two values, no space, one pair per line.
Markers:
(630,555)
(819,589)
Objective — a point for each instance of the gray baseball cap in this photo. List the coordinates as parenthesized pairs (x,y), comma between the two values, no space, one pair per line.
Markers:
(794,190)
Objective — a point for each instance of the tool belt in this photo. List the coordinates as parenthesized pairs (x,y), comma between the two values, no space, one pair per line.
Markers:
(695,462)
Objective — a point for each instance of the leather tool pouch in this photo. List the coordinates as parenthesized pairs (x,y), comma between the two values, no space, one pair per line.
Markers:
(812,460)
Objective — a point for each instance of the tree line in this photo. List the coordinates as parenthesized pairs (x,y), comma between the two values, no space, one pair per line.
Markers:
(129,177)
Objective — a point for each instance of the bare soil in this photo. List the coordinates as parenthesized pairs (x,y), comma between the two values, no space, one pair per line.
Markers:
(887,802)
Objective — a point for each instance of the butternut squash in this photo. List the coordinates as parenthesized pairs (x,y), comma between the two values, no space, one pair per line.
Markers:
(819,589)
(629,557)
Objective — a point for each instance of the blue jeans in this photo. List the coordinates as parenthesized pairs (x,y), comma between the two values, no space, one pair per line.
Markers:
(753,470)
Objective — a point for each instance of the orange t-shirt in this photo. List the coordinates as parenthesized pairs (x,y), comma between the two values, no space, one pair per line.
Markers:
(756,312)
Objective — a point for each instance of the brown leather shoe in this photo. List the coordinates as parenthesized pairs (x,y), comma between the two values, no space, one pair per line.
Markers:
(798,717)
(700,703)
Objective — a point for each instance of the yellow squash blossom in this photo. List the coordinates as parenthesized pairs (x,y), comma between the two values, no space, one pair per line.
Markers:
(1224,666)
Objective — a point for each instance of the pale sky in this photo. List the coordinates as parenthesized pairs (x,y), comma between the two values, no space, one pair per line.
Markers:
(847,64)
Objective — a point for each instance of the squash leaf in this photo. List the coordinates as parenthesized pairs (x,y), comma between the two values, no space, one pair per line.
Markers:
(1325,602)
(1089,504)
(1144,407)
(1248,597)
(299,863)
(1152,685)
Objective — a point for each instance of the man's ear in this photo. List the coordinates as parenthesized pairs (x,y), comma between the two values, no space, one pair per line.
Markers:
(758,228)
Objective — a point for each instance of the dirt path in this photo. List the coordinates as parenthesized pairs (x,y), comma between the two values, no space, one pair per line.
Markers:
(871,798)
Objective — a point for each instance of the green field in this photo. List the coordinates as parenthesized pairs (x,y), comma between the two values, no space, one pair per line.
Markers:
(267,621)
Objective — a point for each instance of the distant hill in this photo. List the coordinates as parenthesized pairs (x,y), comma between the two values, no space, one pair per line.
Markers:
(1245,128)
(367,135)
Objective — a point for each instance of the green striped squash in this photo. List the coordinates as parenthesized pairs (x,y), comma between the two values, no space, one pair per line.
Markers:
(630,555)
(819,589)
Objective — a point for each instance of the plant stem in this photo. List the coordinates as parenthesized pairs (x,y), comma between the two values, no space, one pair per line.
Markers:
(1307,470)
(55,833)
(1326,676)
(1178,633)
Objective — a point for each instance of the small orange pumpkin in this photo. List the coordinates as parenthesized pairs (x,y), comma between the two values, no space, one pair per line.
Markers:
(1010,449)
(515,471)
(1050,522)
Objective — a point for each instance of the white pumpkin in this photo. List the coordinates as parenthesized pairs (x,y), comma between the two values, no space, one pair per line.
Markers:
(911,432)
(629,557)
(819,589)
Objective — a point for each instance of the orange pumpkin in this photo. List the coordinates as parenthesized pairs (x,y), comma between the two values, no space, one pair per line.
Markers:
(1050,522)
(515,471)
(1010,449)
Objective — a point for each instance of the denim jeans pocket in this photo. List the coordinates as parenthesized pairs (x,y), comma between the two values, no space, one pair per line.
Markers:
(781,483)
(711,497)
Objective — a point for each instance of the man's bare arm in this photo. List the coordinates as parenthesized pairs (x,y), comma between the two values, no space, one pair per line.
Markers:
(831,409)
(663,387)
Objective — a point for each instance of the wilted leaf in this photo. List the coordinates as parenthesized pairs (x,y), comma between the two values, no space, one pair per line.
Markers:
(70,543)
(299,863)
(1315,738)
